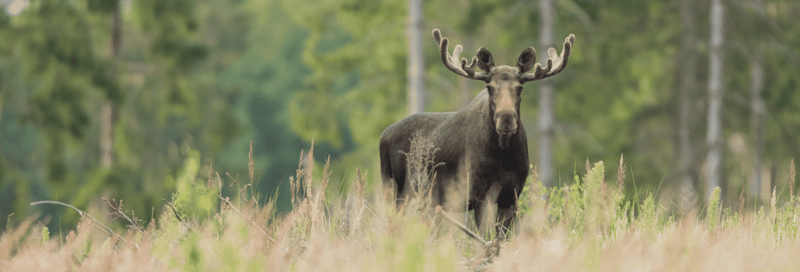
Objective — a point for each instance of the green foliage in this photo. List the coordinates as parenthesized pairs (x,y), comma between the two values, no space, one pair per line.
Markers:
(648,221)
(713,209)
(190,198)
(170,231)
(786,222)
(214,75)
(318,236)
(175,46)
(102,6)
(357,53)
(8,222)
(266,76)
(53,42)
(731,219)
(588,207)
(532,197)
(408,252)
(593,196)
(566,206)
(45,235)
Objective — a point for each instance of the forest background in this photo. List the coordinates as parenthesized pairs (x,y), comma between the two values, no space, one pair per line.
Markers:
(118,99)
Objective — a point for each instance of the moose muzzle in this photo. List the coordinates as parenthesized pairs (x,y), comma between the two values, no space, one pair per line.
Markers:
(506,126)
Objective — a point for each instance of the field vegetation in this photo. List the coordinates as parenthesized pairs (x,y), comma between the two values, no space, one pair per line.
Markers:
(590,225)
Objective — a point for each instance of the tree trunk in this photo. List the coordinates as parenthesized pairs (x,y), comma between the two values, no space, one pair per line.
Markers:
(466,83)
(687,93)
(546,100)
(757,110)
(107,111)
(416,61)
(715,92)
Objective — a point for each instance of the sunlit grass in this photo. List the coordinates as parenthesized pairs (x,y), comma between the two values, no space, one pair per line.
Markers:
(585,226)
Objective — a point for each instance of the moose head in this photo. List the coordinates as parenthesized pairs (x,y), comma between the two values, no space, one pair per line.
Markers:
(504,83)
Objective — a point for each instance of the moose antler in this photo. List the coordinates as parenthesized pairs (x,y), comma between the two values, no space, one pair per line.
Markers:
(554,64)
(462,69)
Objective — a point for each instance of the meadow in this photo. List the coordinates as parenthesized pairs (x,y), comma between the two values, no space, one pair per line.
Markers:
(589,225)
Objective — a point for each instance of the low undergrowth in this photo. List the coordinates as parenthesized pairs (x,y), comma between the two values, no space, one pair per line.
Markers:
(585,226)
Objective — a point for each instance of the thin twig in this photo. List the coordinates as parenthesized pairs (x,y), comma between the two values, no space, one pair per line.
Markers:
(120,213)
(245,217)
(460,226)
(82,213)
(175,212)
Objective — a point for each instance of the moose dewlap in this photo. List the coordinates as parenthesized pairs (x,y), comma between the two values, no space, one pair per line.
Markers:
(481,151)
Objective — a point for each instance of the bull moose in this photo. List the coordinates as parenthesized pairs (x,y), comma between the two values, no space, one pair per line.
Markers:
(482,149)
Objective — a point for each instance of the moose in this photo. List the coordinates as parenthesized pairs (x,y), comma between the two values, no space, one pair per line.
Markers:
(482,149)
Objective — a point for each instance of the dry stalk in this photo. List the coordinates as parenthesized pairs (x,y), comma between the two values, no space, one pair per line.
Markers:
(360,184)
(106,230)
(621,174)
(791,180)
(566,207)
(260,228)
(588,166)
(772,211)
(119,213)
(251,164)
(316,207)
(741,203)
(461,226)
(491,249)
(486,257)
(175,212)
(421,166)
(210,173)
(292,191)
(11,239)
(359,203)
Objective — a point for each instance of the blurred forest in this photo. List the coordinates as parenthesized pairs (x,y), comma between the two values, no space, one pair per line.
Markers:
(117,98)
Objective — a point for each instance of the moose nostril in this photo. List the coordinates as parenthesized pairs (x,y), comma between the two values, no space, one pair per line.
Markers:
(504,132)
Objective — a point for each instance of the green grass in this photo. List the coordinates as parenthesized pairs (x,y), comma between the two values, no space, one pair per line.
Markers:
(588,225)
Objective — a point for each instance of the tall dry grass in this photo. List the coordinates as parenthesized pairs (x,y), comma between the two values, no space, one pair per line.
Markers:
(585,226)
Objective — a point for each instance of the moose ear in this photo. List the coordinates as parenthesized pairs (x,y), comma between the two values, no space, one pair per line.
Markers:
(526,60)
(485,60)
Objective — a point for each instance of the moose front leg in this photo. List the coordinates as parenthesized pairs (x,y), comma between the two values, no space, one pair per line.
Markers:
(486,211)
(507,210)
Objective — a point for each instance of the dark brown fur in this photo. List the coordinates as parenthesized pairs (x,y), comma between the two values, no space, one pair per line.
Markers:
(482,147)
(466,134)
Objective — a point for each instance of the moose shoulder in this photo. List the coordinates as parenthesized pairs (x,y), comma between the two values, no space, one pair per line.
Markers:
(482,149)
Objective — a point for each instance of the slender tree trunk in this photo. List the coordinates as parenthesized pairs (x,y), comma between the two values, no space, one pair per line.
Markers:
(466,83)
(546,100)
(757,110)
(715,93)
(416,61)
(687,93)
(107,111)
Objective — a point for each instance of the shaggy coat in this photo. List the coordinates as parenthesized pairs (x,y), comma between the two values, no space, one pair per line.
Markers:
(482,150)
(469,147)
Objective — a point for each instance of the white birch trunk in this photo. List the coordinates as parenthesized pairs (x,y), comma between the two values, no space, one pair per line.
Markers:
(107,110)
(546,119)
(687,94)
(416,61)
(715,93)
(757,110)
